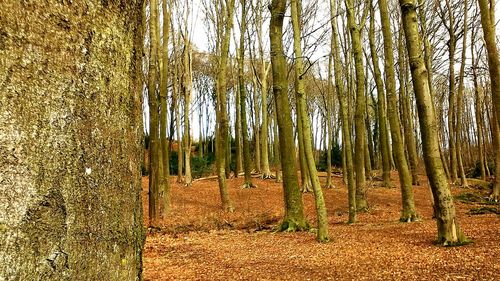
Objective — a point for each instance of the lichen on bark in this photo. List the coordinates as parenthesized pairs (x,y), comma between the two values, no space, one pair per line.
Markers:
(70,115)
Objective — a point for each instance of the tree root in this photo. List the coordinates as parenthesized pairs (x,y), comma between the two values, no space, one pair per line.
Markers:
(413,217)
(306,188)
(329,185)
(267,176)
(248,185)
(292,226)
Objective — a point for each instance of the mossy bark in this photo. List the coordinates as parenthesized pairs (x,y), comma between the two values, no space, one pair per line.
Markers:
(449,233)
(70,143)
(294,210)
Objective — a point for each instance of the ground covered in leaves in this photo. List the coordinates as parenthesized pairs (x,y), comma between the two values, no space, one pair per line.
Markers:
(198,241)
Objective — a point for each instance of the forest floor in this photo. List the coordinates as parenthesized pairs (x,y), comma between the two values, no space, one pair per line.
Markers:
(200,242)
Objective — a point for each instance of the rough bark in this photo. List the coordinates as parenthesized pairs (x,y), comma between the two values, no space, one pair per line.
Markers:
(70,143)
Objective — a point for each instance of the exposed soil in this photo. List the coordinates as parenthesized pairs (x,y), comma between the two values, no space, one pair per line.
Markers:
(199,242)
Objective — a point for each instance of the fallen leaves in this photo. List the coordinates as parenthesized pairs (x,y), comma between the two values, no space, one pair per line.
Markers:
(200,242)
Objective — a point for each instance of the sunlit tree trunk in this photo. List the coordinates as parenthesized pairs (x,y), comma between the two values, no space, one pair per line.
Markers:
(187,88)
(294,211)
(449,233)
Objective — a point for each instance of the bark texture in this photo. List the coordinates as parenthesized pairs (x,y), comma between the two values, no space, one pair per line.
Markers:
(70,113)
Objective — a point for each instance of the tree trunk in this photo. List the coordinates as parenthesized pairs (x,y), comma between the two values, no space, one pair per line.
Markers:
(187,86)
(221,106)
(449,232)
(408,213)
(163,110)
(70,148)
(460,97)
(409,136)
(488,24)
(382,108)
(294,211)
(247,163)
(344,112)
(359,115)
(154,146)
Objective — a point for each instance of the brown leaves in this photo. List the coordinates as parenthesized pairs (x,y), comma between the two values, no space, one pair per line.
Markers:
(200,242)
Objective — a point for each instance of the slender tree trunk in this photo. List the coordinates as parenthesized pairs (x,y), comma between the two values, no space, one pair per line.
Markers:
(478,112)
(187,86)
(247,163)
(329,127)
(154,147)
(221,108)
(344,112)
(408,213)
(321,214)
(163,110)
(409,136)
(460,97)
(294,211)
(237,134)
(382,108)
(449,232)
(359,115)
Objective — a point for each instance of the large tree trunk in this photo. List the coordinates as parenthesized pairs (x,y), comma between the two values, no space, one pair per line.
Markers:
(488,23)
(449,232)
(294,210)
(70,143)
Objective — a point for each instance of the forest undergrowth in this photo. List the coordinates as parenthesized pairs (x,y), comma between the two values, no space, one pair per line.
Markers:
(197,241)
